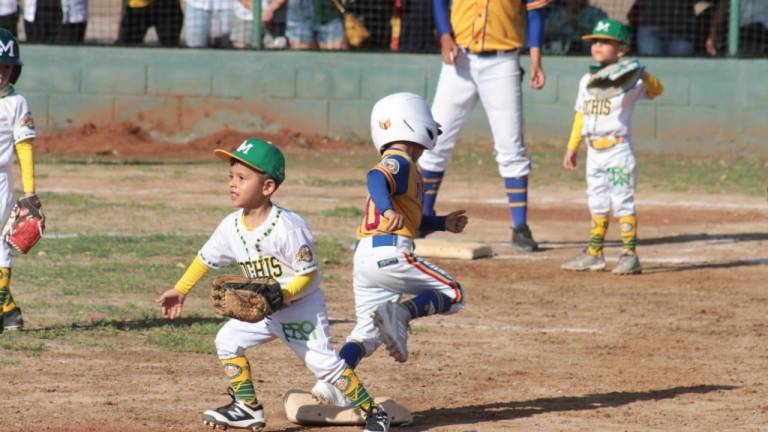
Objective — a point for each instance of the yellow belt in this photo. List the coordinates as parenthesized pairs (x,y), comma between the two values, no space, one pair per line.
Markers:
(603,143)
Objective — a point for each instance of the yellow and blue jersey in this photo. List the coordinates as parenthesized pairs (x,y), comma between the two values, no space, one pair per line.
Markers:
(394,183)
(491,25)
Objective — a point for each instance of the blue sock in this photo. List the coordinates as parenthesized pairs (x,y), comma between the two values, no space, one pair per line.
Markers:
(428,303)
(432,180)
(351,353)
(517,194)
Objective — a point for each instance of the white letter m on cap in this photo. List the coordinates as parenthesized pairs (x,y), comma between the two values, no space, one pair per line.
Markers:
(244,148)
(603,26)
(7,48)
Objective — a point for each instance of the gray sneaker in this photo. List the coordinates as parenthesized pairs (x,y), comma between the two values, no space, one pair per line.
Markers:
(628,263)
(391,319)
(585,261)
(13,320)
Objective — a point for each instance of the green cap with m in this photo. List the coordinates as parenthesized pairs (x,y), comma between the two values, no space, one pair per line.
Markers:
(609,29)
(10,53)
(260,155)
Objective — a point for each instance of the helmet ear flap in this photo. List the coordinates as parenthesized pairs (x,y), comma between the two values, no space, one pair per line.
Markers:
(15,73)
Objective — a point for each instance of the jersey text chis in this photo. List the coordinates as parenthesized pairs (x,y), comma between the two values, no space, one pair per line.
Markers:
(597,107)
(262,267)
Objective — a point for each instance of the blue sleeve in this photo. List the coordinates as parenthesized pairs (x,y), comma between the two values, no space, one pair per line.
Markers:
(378,188)
(535,31)
(401,174)
(432,223)
(441,15)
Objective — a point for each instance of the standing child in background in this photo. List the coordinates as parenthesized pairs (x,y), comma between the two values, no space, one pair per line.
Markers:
(17,130)
(268,241)
(605,124)
(385,267)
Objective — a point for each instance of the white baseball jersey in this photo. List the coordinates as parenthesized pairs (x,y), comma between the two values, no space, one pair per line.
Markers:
(281,248)
(608,117)
(16,125)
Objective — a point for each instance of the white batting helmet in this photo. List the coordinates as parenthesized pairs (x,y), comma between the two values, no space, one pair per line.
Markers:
(403,117)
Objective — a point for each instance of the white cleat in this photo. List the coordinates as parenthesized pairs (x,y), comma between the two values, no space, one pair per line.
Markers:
(585,261)
(237,415)
(628,264)
(391,319)
(329,394)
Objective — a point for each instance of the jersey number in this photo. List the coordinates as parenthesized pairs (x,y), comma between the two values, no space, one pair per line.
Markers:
(372,216)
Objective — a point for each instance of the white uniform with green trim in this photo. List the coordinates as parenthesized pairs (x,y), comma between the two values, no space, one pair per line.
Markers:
(281,248)
(16,125)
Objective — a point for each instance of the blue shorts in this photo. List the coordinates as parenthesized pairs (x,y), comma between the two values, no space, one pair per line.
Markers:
(302,26)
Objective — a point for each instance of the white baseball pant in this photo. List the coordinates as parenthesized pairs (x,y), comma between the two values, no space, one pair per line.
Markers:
(611,180)
(6,204)
(495,81)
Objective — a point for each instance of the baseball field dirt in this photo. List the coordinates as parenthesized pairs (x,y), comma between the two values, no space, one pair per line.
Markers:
(681,347)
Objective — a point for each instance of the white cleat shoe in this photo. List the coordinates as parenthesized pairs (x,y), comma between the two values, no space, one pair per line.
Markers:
(628,263)
(237,414)
(585,261)
(391,319)
(329,394)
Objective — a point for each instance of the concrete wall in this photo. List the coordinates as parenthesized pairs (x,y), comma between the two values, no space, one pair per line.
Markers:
(180,93)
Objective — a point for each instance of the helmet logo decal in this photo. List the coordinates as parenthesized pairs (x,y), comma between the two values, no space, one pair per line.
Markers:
(7,48)
(385,124)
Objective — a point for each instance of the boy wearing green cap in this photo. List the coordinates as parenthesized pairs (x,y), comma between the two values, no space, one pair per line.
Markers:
(603,121)
(268,241)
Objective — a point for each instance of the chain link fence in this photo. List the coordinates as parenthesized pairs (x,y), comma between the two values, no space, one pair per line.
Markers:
(659,27)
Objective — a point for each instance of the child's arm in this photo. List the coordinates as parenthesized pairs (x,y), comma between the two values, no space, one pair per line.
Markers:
(27,166)
(572,151)
(653,87)
(297,285)
(172,301)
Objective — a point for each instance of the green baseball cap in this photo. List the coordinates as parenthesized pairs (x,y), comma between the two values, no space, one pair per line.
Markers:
(258,154)
(609,29)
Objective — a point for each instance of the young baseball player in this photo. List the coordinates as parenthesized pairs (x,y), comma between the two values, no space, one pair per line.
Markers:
(605,124)
(268,241)
(17,131)
(385,267)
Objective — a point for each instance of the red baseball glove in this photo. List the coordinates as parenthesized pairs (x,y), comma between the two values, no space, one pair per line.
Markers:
(25,225)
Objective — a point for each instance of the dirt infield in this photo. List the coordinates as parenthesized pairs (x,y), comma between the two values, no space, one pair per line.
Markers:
(682,347)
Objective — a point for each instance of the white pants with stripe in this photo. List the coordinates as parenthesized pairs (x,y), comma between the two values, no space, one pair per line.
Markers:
(612,180)
(383,274)
(303,326)
(495,82)
(6,204)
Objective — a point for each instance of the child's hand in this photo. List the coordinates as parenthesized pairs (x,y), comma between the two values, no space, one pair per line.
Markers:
(456,221)
(569,161)
(171,302)
(396,220)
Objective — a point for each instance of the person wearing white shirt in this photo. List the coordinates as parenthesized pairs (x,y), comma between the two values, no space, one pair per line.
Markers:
(55,21)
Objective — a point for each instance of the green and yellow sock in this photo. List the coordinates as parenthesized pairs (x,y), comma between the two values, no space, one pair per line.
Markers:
(6,299)
(628,226)
(238,372)
(354,390)
(597,235)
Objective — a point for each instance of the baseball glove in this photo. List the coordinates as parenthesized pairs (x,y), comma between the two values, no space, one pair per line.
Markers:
(615,79)
(25,225)
(246,299)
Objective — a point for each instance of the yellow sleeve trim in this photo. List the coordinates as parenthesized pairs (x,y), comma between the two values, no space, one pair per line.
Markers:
(194,273)
(536,4)
(27,165)
(653,87)
(575,139)
(297,285)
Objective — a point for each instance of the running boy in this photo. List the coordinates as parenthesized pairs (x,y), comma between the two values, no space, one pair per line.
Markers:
(17,131)
(605,124)
(268,240)
(385,266)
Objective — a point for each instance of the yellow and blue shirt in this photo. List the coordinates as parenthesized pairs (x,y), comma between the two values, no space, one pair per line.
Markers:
(491,25)
(396,183)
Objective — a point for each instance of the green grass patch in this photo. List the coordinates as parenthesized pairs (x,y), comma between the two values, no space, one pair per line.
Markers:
(323,182)
(342,212)
(331,250)
(197,338)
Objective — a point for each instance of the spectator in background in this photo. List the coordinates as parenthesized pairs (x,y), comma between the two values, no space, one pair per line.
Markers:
(566,22)
(273,16)
(9,16)
(417,27)
(55,21)
(377,15)
(140,15)
(663,27)
(314,24)
(206,23)
(753,27)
